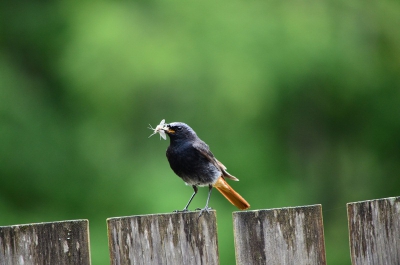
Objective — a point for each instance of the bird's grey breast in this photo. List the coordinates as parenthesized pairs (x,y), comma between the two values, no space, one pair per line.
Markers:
(191,165)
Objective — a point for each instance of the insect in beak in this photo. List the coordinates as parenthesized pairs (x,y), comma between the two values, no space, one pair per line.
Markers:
(159,129)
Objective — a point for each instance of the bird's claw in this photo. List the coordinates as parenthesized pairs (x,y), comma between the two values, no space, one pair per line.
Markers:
(181,211)
(207,209)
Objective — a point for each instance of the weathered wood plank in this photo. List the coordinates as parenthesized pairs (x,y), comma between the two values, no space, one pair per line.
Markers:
(60,243)
(176,238)
(292,235)
(374,230)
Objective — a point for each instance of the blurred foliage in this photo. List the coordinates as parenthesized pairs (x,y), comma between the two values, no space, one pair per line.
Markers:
(301,100)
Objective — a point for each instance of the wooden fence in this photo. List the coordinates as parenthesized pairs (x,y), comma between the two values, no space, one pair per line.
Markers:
(275,236)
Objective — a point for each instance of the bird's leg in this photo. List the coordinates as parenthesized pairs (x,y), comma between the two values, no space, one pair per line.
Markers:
(190,200)
(206,208)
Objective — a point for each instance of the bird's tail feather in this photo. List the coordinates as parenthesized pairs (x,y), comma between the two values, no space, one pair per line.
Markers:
(222,186)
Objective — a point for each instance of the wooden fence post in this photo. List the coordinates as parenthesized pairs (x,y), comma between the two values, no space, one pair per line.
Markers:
(176,238)
(60,243)
(292,235)
(374,228)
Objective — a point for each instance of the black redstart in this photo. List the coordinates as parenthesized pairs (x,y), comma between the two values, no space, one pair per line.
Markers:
(191,159)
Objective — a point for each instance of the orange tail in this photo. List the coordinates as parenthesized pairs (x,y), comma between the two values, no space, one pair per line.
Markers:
(222,186)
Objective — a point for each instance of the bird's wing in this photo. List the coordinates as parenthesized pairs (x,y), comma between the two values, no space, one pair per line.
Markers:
(203,148)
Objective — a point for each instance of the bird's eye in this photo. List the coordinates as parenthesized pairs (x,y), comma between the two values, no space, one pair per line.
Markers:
(179,128)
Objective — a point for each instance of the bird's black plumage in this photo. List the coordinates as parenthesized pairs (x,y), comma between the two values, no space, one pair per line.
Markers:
(186,158)
(191,159)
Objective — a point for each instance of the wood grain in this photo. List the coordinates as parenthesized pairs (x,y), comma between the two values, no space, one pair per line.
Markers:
(374,231)
(292,235)
(62,243)
(175,238)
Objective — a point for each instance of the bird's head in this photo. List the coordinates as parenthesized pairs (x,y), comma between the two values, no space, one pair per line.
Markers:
(179,131)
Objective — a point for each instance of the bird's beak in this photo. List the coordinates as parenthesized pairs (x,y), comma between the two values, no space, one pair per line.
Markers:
(169,131)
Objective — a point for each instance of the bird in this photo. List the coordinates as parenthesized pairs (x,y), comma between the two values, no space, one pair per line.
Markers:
(191,159)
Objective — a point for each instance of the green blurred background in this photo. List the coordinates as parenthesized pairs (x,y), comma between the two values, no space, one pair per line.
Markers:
(299,99)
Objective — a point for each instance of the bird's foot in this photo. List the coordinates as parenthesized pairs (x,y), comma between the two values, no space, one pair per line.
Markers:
(205,209)
(181,211)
